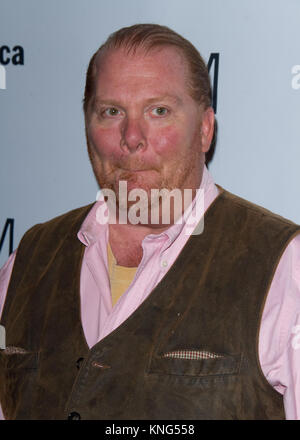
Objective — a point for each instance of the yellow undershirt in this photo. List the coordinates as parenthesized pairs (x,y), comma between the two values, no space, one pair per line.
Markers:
(120,276)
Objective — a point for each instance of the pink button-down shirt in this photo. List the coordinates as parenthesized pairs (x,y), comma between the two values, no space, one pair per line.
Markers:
(279,338)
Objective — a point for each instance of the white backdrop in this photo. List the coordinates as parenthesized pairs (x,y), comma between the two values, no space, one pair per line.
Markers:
(44,168)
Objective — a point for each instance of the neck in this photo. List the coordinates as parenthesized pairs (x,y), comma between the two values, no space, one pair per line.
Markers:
(126,242)
(126,239)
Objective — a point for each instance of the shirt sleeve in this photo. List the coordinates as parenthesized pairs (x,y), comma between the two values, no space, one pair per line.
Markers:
(5,273)
(279,337)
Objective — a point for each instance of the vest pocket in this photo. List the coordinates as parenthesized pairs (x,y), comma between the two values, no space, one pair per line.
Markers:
(18,371)
(195,365)
(17,358)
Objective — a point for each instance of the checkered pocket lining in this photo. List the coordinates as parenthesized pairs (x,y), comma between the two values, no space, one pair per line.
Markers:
(192,354)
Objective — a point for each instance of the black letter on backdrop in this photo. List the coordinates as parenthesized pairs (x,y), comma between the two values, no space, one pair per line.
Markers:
(9,224)
(3,60)
(214,57)
(18,57)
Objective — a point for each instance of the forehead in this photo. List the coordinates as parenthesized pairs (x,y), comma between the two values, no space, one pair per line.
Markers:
(159,68)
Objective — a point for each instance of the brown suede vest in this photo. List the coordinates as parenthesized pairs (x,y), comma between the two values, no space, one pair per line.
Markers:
(211,300)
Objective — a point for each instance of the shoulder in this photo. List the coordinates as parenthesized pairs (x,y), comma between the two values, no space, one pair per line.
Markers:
(251,211)
(55,229)
(63,221)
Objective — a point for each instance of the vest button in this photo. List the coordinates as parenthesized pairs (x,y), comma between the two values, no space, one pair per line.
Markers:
(74,416)
(79,362)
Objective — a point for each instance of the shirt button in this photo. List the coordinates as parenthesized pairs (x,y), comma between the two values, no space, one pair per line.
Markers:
(79,362)
(74,416)
(164,263)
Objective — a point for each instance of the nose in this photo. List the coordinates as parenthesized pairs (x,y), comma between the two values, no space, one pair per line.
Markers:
(133,135)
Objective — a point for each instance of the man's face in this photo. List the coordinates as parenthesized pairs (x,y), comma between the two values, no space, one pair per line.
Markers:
(143,126)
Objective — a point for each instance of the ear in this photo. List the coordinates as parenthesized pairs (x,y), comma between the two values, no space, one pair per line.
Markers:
(207,128)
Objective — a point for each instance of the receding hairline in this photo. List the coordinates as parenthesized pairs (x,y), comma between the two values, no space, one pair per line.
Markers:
(141,49)
(144,49)
(147,37)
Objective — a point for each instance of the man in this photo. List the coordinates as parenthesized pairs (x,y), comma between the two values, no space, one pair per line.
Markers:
(149,320)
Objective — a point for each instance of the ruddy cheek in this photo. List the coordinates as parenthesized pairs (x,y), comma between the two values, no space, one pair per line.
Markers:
(167,141)
(106,142)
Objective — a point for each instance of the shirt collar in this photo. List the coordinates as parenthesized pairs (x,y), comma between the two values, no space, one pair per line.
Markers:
(207,187)
(91,228)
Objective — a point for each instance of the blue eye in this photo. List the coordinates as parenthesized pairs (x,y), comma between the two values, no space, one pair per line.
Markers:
(160,111)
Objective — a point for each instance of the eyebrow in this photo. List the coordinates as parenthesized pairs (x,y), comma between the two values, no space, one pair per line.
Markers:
(100,101)
(173,98)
